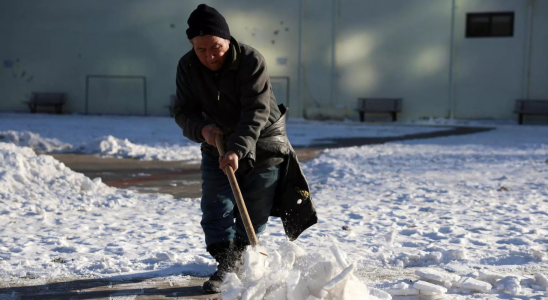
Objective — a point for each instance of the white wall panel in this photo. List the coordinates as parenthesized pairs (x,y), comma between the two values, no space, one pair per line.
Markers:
(489,71)
(54,44)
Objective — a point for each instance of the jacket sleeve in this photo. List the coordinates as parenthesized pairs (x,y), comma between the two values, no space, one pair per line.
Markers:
(255,103)
(187,111)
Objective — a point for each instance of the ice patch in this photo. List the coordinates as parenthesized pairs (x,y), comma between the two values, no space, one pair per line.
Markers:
(429,289)
(472,284)
(435,275)
(488,275)
(402,289)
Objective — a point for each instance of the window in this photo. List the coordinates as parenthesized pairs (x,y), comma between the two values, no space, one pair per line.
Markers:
(499,24)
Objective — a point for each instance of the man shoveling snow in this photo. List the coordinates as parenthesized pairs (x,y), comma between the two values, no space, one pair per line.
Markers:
(223,88)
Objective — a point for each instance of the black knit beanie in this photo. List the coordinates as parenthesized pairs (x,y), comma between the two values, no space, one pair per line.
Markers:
(206,20)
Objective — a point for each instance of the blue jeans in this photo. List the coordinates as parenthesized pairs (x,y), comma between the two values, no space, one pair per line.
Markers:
(218,204)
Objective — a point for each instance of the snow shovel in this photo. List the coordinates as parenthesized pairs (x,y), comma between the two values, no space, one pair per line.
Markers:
(238,195)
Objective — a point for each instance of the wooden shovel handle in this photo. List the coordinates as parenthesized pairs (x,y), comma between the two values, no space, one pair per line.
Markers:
(237,194)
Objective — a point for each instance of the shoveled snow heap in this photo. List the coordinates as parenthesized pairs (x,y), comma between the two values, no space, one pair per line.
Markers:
(40,183)
(107,146)
(110,146)
(33,140)
(291,274)
(156,138)
(48,210)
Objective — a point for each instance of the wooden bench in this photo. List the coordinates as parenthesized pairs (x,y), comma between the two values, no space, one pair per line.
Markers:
(379,105)
(47,99)
(530,107)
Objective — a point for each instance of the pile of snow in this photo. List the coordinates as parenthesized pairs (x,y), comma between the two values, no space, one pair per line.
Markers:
(56,222)
(109,146)
(33,140)
(106,146)
(42,184)
(159,138)
(290,274)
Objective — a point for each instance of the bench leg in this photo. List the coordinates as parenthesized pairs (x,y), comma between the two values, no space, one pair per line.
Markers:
(362,116)
(58,109)
(394,117)
(32,108)
(520,119)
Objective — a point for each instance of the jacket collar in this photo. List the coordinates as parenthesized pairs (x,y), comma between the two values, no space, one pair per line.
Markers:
(235,59)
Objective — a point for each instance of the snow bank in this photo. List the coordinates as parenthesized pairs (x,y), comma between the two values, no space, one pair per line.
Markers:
(41,183)
(56,222)
(292,274)
(33,140)
(107,146)
(110,146)
(159,138)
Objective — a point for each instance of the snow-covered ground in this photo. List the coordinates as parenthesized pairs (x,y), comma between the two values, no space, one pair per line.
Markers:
(468,215)
(156,138)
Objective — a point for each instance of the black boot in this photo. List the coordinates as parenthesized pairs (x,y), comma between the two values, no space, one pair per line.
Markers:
(229,256)
(238,253)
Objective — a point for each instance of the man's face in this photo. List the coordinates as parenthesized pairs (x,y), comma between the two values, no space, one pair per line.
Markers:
(211,50)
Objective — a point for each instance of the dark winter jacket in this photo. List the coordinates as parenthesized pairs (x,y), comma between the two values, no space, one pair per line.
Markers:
(292,202)
(239,100)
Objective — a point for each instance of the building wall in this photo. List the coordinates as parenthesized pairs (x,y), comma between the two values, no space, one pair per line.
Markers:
(406,49)
(317,43)
(489,72)
(332,51)
(54,44)
(383,49)
(538,64)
